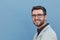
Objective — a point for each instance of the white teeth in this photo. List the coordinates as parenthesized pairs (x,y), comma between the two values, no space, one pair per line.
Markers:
(37,21)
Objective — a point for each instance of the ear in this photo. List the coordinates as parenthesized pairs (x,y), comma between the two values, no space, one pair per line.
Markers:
(45,17)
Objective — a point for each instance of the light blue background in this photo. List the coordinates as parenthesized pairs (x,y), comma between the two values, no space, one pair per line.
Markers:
(16,21)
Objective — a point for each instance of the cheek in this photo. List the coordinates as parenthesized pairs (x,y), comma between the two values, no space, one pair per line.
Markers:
(43,19)
(33,19)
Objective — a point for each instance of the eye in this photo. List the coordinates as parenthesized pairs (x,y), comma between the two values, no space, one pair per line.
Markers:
(33,15)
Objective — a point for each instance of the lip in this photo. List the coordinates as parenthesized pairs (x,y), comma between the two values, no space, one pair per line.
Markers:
(37,20)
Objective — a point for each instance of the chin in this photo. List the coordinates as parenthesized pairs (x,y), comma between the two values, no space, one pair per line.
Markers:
(37,25)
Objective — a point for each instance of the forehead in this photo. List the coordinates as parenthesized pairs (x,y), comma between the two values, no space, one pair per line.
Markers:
(37,11)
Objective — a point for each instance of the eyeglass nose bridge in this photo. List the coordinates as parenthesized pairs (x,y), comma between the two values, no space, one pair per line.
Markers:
(38,16)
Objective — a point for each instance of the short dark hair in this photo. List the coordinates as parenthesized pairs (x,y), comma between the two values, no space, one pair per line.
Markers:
(39,7)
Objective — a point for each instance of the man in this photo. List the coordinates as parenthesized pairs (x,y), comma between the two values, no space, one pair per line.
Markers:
(44,31)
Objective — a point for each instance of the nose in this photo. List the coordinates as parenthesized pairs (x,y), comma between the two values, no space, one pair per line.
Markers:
(36,17)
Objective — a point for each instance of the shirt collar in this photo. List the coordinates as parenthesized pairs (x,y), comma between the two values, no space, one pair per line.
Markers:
(39,30)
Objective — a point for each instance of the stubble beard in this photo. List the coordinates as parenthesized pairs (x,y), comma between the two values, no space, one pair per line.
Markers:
(42,22)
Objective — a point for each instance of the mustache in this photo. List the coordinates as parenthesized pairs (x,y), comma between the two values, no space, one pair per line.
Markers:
(37,20)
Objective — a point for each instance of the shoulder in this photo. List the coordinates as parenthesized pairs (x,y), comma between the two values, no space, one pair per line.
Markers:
(49,33)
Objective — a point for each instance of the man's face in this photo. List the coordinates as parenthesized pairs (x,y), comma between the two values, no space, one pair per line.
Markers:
(38,17)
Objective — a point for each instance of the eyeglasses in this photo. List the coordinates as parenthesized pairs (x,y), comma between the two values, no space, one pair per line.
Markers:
(38,15)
